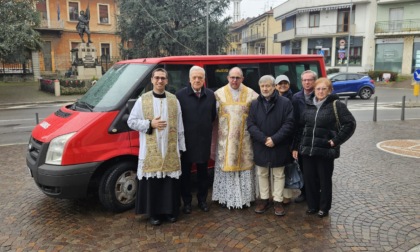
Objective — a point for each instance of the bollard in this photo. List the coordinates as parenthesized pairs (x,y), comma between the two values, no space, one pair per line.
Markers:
(57,90)
(375,105)
(345,100)
(403,109)
(36,118)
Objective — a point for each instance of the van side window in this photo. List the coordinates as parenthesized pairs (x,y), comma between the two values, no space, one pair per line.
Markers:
(293,71)
(217,75)
(178,77)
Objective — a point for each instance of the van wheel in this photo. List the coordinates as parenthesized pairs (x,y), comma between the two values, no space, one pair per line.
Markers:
(118,186)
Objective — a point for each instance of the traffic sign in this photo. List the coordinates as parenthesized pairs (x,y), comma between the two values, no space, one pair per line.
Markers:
(321,52)
(417,75)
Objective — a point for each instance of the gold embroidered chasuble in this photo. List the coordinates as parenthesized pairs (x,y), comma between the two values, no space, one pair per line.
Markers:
(234,142)
(153,161)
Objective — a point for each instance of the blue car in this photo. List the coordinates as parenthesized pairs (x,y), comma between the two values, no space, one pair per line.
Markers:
(352,84)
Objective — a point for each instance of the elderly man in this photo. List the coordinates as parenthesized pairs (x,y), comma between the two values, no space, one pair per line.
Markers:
(299,99)
(270,124)
(157,116)
(233,184)
(198,106)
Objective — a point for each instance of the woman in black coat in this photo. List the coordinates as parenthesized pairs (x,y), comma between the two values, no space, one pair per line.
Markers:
(320,144)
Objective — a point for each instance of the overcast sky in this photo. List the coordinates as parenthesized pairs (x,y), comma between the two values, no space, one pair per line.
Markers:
(254,8)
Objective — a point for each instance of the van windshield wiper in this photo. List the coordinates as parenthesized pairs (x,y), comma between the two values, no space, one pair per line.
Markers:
(84,105)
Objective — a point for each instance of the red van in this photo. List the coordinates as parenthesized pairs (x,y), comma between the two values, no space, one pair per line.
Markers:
(86,147)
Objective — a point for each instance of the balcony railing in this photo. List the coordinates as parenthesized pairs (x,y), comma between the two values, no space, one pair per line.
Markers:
(254,37)
(400,26)
(285,35)
(51,24)
(324,30)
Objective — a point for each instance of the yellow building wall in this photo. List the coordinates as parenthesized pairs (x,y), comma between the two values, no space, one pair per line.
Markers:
(61,40)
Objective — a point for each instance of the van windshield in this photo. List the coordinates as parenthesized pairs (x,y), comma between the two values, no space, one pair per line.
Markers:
(112,87)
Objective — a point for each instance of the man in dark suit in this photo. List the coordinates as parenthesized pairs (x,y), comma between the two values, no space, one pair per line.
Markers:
(198,106)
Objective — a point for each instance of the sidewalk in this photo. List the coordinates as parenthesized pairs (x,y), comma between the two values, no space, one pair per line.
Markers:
(28,93)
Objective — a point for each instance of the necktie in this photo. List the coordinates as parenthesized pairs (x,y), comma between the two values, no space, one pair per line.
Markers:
(197,94)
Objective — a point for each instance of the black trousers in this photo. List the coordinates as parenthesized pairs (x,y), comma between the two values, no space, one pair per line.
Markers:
(156,196)
(202,181)
(318,182)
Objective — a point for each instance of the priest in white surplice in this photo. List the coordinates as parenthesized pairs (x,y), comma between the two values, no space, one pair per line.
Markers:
(158,118)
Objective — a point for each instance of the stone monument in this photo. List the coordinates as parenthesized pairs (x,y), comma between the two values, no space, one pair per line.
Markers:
(85,61)
(84,57)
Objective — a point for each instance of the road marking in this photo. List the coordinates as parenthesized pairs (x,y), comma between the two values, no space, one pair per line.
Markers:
(12,120)
(401,147)
(3,145)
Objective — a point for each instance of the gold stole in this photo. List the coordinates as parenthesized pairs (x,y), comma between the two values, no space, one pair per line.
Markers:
(154,161)
(234,141)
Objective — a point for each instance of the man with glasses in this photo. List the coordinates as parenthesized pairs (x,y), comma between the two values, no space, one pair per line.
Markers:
(299,99)
(233,185)
(158,118)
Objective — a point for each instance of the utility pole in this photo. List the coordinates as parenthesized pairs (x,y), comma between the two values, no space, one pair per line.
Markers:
(207,28)
(348,40)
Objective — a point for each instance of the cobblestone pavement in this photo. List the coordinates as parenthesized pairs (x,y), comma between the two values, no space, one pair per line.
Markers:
(375,208)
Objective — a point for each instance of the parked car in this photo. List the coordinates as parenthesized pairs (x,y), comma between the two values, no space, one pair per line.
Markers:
(352,84)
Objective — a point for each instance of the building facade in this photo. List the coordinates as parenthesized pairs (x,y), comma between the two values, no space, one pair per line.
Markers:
(397,36)
(333,28)
(59,19)
(254,35)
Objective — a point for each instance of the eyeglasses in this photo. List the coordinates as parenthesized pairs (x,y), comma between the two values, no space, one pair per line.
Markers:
(304,80)
(235,77)
(159,78)
(321,89)
(283,83)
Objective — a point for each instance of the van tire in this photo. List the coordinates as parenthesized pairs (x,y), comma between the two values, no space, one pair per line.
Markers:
(118,186)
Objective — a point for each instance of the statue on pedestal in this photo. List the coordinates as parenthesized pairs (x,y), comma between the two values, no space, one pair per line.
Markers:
(83,25)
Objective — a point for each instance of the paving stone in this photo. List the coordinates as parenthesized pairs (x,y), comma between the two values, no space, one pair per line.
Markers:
(375,208)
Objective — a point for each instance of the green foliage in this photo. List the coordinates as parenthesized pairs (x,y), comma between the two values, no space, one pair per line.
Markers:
(18,37)
(378,74)
(172,27)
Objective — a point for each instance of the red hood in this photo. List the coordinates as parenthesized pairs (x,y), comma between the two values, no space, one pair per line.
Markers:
(62,122)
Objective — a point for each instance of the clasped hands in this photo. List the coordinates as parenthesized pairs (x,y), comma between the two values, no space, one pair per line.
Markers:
(269,142)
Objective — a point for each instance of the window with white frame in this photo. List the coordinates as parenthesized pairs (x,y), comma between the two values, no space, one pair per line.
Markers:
(103,13)
(314,19)
(73,10)
(344,20)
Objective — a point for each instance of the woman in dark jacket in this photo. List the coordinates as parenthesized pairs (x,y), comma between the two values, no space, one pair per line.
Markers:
(320,144)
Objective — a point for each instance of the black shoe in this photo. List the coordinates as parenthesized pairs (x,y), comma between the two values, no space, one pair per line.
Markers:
(322,214)
(154,221)
(203,206)
(301,198)
(171,218)
(187,209)
(311,211)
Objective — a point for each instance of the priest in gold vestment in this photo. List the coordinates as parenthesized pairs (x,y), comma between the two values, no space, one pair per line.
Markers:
(234,174)
(158,118)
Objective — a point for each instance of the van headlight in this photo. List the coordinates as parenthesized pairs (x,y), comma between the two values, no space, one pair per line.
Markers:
(56,149)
